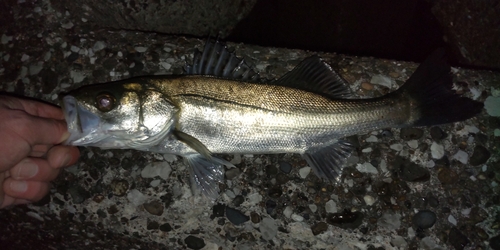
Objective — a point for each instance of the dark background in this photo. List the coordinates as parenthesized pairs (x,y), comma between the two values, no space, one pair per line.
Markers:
(401,30)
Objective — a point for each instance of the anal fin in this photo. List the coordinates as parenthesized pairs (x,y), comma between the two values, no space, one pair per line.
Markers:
(327,162)
(206,174)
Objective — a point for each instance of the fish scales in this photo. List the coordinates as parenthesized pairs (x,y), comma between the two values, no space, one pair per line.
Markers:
(240,117)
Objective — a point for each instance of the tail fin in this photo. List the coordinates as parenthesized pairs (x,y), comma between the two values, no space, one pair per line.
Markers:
(430,88)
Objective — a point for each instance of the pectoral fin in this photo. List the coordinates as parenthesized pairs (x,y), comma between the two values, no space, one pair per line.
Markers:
(206,174)
(328,162)
(193,143)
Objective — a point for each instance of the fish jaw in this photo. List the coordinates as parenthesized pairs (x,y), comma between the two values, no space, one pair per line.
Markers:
(85,127)
(80,121)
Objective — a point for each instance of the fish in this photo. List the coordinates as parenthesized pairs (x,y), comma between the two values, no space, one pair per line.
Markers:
(221,105)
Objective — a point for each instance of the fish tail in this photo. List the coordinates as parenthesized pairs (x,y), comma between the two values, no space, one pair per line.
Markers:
(433,100)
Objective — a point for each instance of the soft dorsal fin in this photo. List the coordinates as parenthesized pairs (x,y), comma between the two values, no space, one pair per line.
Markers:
(217,60)
(315,75)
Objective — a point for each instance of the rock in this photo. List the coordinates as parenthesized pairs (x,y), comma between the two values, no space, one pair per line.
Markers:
(78,194)
(287,212)
(119,187)
(369,200)
(382,80)
(428,243)
(479,156)
(366,168)
(413,144)
(154,207)
(303,172)
(281,179)
(467,27)
(331,206)
(346,219)
(194,242)
(235,216)
(149,171)
(437,150)
(112,209)
(34,69)
(162,169)
(268,228)
(285,167)
(410,171)
(171,17)
(166,227)
(165,170)
(232,173)
(270,206)
(447,176)
(411,133)
(366,86)
(461,156)
(432,201)
(437,133)
(275,192)
(424,219)
(319,227)
(140,49)
(457,239)
(397,147)
(99,45)
(313,208)
(238,200)
(152,225)
(271,170)
(297,218)
(218,210)
(492,105)
(495,242)
(390,221)
(399,241)
(452,220)
(136,197)
(101,213)
(371,138)
(386,133)
(255,217)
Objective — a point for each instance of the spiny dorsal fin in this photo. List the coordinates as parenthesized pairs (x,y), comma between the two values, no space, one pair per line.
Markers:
(217,60)
(315,75)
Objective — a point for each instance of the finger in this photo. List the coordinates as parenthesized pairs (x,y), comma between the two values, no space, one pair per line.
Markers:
(34,169)
(62,156)
(35,108)
(3,197)
(27,190)
(35,130)
(10,201)
(39,150)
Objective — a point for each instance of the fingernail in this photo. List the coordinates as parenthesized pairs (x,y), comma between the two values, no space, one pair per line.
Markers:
(64,137)
(18,186)
(27,169)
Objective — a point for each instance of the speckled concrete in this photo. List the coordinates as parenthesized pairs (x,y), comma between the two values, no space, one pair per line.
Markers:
(419,188)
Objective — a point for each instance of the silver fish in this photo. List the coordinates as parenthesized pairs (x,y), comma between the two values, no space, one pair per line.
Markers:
(220,106)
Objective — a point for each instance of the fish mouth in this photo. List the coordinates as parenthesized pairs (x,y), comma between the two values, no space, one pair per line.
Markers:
(82,123)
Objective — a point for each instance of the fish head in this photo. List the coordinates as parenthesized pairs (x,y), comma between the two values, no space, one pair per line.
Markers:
(123,114)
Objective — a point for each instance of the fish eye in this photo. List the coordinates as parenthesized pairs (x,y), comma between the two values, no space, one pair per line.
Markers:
(105,102)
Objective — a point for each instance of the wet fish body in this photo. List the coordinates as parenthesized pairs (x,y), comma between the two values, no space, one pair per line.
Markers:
(220,107)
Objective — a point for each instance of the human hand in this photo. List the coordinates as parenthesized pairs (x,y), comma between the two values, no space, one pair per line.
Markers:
(30,154)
